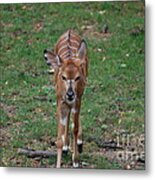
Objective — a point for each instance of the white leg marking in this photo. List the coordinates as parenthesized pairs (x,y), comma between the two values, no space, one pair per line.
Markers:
(63,138)
(73,110)
(63,121)
(65,148)
(72,125)
(75,165)
(79,141)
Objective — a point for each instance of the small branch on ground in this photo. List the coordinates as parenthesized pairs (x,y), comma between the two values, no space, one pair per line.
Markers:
(35,153)
(104,144)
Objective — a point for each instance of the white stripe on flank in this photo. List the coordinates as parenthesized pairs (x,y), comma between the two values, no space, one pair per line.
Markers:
(63,38)
(66,46)
(64,54)
(73,48)
(74,41)
(62,47)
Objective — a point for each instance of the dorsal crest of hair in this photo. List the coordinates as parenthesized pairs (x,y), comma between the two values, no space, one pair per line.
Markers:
(67,45)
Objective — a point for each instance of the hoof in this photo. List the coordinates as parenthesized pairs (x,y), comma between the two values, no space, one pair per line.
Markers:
(80,148)
(65,153)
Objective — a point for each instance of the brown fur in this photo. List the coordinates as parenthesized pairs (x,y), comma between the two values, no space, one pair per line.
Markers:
(73,70)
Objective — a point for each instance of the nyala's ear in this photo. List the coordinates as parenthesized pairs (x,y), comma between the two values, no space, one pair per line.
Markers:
(82,51)
(52,59)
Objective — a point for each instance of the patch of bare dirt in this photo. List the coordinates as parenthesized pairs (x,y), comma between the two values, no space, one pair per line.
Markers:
(5,136)
(9,110)
(89,31)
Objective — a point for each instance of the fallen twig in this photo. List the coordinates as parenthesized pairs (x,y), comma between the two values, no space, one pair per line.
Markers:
(35,153)
(105,144)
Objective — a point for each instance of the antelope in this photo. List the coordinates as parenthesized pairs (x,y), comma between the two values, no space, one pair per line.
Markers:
(70,63)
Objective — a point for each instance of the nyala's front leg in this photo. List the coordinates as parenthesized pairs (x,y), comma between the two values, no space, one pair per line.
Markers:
(77,138)
(63,127)
(59,144)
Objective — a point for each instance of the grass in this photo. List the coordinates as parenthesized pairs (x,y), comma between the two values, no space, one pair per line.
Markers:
(114,98)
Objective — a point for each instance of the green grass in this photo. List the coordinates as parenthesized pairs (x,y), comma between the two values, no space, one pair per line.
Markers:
(114,97)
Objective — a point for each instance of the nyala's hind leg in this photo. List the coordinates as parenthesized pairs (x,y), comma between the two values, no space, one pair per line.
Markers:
(79,140)
(65,137)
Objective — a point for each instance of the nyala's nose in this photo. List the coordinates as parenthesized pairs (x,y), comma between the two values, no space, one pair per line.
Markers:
(70,95)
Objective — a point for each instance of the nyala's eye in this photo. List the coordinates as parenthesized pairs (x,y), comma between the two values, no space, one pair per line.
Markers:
(64,78)
(77,78)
